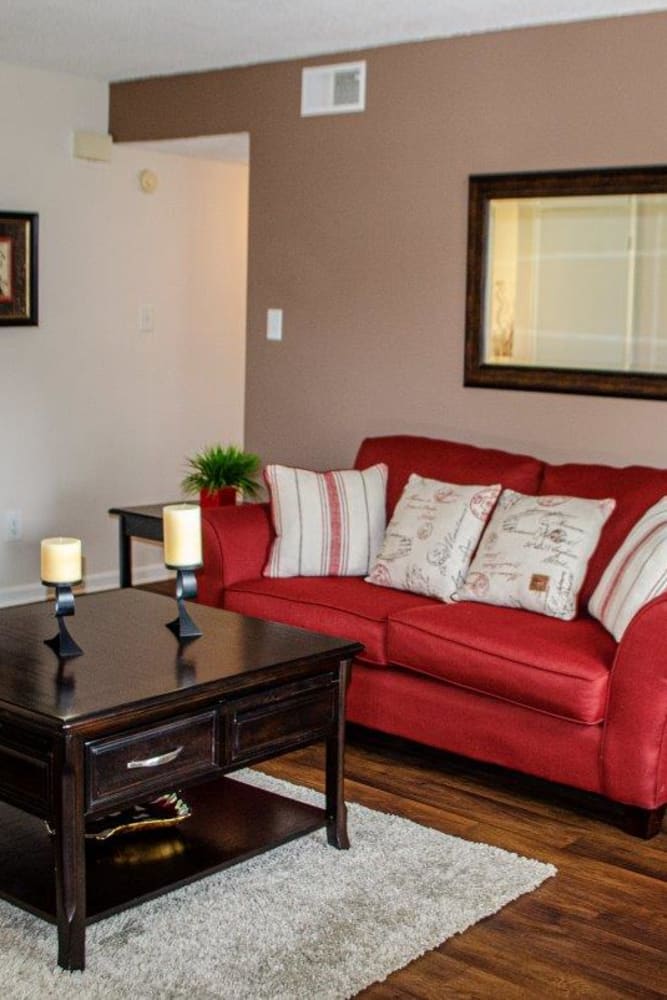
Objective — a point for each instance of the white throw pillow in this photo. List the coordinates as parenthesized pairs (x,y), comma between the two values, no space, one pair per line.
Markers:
(430,540)
(636,574)
(326,523)
(534,553)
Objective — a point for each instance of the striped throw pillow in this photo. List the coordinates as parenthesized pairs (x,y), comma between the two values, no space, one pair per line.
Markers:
(636,574)
(326,523)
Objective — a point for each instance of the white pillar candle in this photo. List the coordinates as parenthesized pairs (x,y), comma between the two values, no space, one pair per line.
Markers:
(182,534)
(61,560)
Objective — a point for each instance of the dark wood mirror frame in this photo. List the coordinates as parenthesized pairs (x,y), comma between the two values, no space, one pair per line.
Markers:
(482,190)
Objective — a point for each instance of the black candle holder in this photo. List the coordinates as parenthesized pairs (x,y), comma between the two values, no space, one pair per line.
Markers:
(186,587)
(62,644)
(186,670)
(65,685)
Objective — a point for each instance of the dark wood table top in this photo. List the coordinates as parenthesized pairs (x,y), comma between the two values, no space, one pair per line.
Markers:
(131,659)
(146,509)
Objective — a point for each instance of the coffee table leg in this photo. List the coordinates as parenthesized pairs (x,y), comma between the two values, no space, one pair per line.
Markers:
(124,553)
(70,857)
(335,755)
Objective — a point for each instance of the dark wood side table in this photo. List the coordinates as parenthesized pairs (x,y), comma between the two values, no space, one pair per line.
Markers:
(140,714)
(144,521)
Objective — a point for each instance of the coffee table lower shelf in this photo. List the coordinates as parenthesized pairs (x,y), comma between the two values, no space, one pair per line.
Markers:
(231,821)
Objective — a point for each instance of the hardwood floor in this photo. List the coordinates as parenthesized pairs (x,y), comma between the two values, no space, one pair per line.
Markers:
(599,929)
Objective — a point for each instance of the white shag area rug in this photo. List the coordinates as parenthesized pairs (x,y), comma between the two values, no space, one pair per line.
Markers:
(302,922)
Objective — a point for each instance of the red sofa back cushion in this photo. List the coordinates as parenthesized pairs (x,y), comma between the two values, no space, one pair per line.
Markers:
(447,460)
(635,488)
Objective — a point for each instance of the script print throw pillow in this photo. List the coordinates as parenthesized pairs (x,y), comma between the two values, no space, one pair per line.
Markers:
(534,553)
(636,574)
(326,523)
(432,535)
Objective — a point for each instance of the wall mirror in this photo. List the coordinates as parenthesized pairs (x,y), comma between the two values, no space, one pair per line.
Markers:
(567,282)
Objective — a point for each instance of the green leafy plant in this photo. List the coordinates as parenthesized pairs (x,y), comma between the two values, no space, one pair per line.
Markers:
(215,467)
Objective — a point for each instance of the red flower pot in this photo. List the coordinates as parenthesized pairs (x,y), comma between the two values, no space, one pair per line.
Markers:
(218,498)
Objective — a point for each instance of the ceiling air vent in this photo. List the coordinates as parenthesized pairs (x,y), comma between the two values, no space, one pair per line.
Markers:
(333,90)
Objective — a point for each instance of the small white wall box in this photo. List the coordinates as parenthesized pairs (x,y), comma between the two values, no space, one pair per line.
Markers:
(93,146)
(333,90)
(274,324)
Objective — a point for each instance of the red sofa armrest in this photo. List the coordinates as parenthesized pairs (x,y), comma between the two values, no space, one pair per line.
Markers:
(634,749)
(236,542)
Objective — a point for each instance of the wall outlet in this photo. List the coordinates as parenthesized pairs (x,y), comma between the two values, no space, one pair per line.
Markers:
(13,526)
(146,319)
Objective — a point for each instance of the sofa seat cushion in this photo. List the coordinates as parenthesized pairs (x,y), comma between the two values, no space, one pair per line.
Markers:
(341,606)
(542,663)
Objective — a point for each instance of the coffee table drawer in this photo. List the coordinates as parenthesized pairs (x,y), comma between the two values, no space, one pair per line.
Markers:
(288,719)
(118,768)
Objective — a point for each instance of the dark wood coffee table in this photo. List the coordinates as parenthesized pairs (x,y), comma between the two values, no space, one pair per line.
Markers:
(140,714)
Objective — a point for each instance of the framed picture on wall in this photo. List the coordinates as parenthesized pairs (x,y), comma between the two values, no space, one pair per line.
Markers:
(18,268)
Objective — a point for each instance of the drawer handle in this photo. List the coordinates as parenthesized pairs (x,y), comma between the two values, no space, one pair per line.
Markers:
(163,758)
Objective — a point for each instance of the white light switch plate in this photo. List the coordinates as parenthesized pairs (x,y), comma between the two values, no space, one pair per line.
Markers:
(274,324)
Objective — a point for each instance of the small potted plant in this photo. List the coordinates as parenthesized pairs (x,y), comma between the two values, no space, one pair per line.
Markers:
(218,474)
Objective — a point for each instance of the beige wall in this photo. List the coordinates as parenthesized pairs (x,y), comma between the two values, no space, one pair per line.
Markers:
(96,413)
(358,228)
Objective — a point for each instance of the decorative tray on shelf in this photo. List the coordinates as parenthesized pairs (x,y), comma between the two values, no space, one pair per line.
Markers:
(164,811)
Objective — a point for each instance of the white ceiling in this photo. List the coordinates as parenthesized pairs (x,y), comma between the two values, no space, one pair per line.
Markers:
(126,39)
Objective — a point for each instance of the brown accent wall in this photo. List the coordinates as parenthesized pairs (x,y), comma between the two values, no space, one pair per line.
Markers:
(358,228)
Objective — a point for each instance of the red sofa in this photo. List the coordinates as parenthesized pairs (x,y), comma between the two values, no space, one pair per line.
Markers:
(560,700)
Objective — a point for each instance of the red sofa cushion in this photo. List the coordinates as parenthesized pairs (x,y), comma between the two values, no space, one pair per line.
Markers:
(340,606)
(557,667)
(635,488)
(447,460)
(452,718)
